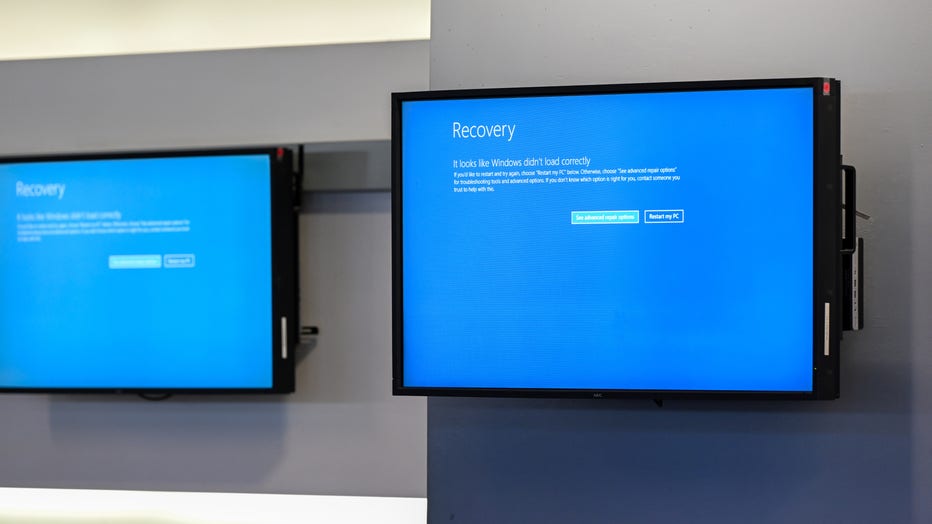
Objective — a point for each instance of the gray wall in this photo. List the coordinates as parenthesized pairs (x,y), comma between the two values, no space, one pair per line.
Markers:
(864,458)
(342,433)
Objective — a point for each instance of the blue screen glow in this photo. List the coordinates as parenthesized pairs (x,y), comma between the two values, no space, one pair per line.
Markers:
(136,273)
(610,241)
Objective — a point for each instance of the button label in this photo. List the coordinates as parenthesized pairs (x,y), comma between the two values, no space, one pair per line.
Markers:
(134,261)
(172,261)
(605,217)
(664,216)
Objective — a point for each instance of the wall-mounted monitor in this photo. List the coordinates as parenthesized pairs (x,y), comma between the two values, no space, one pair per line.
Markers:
(655,240)
(149,272)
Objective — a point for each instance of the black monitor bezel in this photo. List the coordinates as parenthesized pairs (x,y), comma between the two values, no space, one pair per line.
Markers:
(283,180)
(826,238)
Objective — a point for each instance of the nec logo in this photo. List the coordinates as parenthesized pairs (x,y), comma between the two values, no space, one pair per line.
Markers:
(596,395)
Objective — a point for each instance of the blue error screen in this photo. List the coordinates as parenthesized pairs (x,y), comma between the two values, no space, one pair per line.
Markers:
(639,241)
(136,273)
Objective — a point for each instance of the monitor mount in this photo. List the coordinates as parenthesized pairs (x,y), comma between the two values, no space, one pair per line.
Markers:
(852,255)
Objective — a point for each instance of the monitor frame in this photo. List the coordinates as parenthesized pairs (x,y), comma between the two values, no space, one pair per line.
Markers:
(827,232)
(285,189)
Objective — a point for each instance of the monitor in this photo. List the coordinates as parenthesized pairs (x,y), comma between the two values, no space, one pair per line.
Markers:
(657,240)
(149,272)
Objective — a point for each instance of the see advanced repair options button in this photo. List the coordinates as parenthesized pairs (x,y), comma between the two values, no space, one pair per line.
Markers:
(605,217)
(664,216)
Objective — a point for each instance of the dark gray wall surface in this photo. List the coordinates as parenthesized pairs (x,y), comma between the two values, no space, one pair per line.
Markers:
(864,458)
(341,433)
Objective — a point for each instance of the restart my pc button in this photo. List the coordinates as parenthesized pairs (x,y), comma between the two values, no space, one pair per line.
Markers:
(175,261)
(664,216)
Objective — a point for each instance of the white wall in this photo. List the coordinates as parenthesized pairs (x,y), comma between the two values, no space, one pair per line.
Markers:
(864,458)
(292,94)
(67,28)
(342,433)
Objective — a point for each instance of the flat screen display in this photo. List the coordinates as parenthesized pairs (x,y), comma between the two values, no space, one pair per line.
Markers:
(651,239)
(146,273)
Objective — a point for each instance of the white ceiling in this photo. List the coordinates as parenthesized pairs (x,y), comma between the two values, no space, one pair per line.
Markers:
(60,28)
